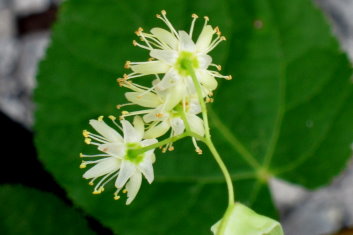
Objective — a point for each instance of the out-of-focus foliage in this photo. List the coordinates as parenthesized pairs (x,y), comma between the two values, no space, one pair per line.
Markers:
(28,211)
(287,112)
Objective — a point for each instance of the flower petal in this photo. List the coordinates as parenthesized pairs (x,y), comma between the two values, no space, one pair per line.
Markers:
(104,167)
(168,80)
(157,130)
(133,186)
(204,61)
(146,168)
(196,124)
(127,169)
(186,43)
(165,37)
(148,142)
(144,99)
(139,126)
(152,67)
(114,149)
(167,56)
(106,131)
(207,79)
(177,126)
(194,107)
(205,38)
(130,133)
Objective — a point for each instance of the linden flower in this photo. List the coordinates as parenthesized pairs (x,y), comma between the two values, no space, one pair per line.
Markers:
(164,111)
(172,52)
(119,161)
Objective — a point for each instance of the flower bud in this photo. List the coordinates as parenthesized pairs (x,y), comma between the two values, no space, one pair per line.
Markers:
(241,220)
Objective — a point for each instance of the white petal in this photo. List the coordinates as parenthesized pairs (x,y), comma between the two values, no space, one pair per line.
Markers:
(207,79)
(109,165)
(116,149)
(178,126)
(139,126)
(204,61)
(130,133)
(165,37)
(127,169)
(144,99)
(106,131)
(148,142)
(175,95)
(133,186)
(186,43)
(194,107)
(169,79)
(196,124)
(157,130)
(155,115)
(167,56)
(147,169)
(205,38)
(153,67)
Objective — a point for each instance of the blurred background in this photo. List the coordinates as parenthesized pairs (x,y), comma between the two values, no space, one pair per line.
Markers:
(24,36)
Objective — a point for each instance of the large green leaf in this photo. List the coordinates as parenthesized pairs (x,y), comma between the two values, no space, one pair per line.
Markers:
(29,211)
(287,113)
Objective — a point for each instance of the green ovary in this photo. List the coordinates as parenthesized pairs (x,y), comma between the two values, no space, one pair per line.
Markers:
(184,60)
(131,153)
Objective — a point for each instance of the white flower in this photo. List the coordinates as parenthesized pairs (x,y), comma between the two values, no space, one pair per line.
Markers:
(119,160)
(171,51)
(164,111)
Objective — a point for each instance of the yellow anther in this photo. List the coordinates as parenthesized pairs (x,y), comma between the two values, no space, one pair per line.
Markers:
(217,31)
(91,183)
(210,93)
(163,12)
(111,117)
(164,150)
(134,43)
(125,191)
(219,67)
(223,38)
(83,165)
(171,148)
(100,118)
(229,77)
(85,133)
(116,197)
(124,112)
(125,76)
(199,151)
(88,140)
(206,18)
(194,16)
(127,64)
(158,16)
(159,115)
(151,59)
(121,118)
(95,192)
(81,154)
(118,106)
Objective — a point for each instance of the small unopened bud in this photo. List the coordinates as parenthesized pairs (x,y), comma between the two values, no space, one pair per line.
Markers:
(242,220)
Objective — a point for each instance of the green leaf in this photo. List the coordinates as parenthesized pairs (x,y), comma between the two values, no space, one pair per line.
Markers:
(29,211)
(287,113)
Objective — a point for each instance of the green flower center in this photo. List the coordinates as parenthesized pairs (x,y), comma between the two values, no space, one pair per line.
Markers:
(183,62)
(131,153)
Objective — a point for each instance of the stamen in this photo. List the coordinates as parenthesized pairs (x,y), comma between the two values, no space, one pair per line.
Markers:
(85,133)
(197,148)
(167,22)
(194,16)
(125,191)
(88,141)
(127,65)
(100,118)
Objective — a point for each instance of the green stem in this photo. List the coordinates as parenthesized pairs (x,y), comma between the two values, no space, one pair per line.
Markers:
(208,140)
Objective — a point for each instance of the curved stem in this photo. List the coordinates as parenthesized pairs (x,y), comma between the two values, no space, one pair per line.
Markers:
(208,140)
(224,170)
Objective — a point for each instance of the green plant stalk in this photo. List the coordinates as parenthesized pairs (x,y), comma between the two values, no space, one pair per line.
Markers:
(208,140)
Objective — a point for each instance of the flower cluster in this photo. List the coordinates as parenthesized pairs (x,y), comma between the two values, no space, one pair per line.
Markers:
(172,103)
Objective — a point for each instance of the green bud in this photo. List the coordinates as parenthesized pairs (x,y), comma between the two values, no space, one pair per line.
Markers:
(241,220)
